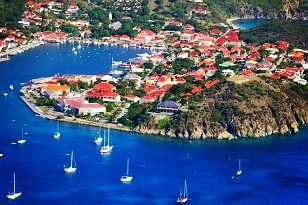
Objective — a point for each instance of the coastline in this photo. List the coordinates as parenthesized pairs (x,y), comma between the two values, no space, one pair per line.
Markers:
(230,22)
(52,115)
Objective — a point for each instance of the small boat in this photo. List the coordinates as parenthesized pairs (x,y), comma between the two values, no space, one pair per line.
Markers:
(239,171)
(1,155)
(99,139)
(57,134)
(79,46)
(73,49)
(183,197)
(11,87)
(126,178)
(22,140)
(14,194)
(75,52)
(116,72)
(5,94)
(71,168)
(106,148)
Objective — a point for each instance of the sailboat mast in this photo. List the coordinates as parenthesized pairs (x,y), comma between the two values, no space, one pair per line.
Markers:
(185,190)
(127,169)
(104,138)
(108,135)
(22,133)
(239,164)
(72,159)
(14,183)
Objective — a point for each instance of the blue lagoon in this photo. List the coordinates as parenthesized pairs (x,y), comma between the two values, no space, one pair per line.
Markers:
(274,168)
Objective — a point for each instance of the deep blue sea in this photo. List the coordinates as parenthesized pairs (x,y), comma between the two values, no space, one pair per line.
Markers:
(247,23)
(274,168)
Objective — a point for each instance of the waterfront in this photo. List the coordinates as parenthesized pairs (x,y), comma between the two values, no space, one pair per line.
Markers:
(244,23)
(274,168)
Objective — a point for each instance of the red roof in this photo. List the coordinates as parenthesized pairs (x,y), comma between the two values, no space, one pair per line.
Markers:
(197,89)
(103,86)
(103,94)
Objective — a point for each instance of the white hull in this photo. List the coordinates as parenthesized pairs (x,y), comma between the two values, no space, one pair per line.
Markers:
(182,201)
(11,87)
(57,135)
(13,195)
(239,172)
(98,140)
(126,178)
(70,169)
(21,141)
(4,94)
(1,155)
(106,149)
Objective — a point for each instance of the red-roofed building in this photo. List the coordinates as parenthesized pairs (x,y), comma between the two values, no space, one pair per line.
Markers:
(216,32)
(246,72)
(79,106)
(52,38)
(210,83)
(104,86)
(200,10)
(196,89)
(131,97)
(106,96)
(147,99)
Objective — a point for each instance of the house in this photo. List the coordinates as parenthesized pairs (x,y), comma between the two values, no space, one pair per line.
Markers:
(210,83)
(147,99)
(115,25)
(104,86)
(58,89)
(79,106)
(131,97)
(52,38)
(124,37)
(168,106)
(199,10)
(216,32)
(228,72)
(106,96)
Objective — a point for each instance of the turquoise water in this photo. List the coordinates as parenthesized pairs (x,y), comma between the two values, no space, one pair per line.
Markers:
(274,168)
(247,23)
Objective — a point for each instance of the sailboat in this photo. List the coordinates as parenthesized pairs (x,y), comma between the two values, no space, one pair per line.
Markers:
(99,139)
(14,194)
(11,87)
(71,168)
(183,197)
(106,148)
(22,140)
(57,133)
(126,178)
(115,63)
(239,171)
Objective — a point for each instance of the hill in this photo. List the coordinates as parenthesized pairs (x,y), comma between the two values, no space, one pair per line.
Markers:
(254,109)
(294,32)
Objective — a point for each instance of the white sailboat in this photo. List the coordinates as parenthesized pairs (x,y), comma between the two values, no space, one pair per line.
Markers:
(115,63)
(14,194)
(11,87)
(239,171)
(99,139)
(22,140)
(57,133)
(5,94)
(126,178)
(183,197)
(106,147)
(71,168)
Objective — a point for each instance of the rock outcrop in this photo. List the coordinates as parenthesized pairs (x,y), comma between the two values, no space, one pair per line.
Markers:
(236,111)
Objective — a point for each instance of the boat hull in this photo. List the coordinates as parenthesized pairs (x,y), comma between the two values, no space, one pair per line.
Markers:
(70,169)
(21,141)
(13,195)
(106,149)
(126,178)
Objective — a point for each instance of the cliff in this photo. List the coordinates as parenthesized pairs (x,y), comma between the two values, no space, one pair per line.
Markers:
(254,109)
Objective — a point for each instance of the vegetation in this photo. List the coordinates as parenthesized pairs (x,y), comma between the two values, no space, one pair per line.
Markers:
(11,12)
(294,32)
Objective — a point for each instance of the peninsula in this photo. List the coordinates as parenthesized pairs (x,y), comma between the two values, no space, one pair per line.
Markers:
(202,80)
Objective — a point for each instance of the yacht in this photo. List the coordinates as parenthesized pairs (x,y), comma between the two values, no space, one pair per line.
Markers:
(14,194)
(126,178)
(72,167)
